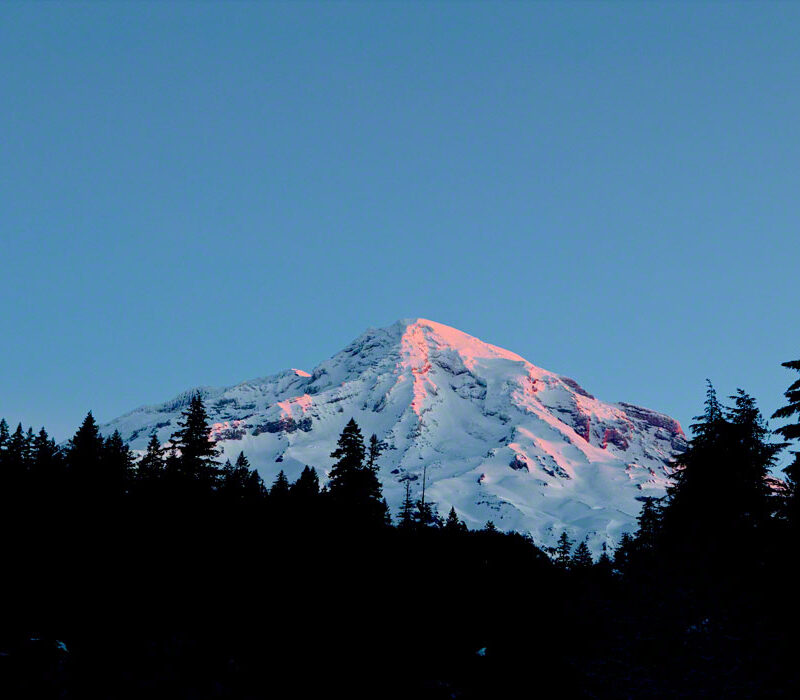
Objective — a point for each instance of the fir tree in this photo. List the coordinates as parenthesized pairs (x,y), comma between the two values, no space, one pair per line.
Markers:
(117,462)
(4,436)
(604,565)
(582,558)
(564,550)
(353,485)
(375,449)
(720,500)
(198,451)
(791,431)
(279,493)
(490,527)
(406,516)
(453,524)
(84,454)
(45,455)
(649,521)
(306,488)
(151,465)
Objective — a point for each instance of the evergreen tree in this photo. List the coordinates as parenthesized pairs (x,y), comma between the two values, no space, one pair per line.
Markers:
(564,551)
(425,515)
(306,489)
(198,451)
(279,493)
(117,462)
(649,521)
(84,455)
(151,465)
(44,454)
(17,453)
(582,558)
(791,431)
(622,555)
(604,565)
(719,501)
(406,516)
(4,436)
(490,527)
(376,449)
(453,524)
(353,485)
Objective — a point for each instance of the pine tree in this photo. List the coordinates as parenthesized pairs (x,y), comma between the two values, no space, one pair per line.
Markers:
(603,565)
(4,436)
(406,516)
(622,554)
(582,558)
(279,493)
(791,431)
(45,455)
(353,485)
(719,502)
(453,524)
(84,453)
(376,449)
(117,462)
(564,551)
(490,527)
(425,515)
(306,489)
(151,465)
(198,451)
(649,521)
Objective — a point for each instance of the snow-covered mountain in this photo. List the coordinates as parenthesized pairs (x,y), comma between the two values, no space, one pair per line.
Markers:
(502,439)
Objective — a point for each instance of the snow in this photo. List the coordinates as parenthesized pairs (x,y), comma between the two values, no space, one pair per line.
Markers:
(472,412)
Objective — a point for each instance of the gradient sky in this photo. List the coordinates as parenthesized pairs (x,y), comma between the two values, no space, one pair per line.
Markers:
(205,193)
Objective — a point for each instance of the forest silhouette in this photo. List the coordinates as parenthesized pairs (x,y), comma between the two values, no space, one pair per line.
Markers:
(177,575)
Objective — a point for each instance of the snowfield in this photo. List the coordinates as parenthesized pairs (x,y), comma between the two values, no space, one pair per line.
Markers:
(503,440)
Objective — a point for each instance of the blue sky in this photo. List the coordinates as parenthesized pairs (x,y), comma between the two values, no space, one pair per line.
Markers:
(204,193)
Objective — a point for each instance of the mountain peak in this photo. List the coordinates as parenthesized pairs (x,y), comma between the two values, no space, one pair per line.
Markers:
(500,438)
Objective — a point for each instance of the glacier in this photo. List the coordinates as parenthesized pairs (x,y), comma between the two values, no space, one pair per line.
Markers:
(500,438)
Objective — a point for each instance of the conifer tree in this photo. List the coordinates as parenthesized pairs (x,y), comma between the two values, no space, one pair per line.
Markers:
(564,550)
(198,451)
(375,449)
(4,436)
(151,465)
(117,462)
(603,564)
(306,488)
(279,493)
(719,501)
(490,527)
(424,515)
(649,521)
(353,485)
(44,454)
(406,516)
(622,554)
(582,558)
(84,456)
(453,524)
(791,431)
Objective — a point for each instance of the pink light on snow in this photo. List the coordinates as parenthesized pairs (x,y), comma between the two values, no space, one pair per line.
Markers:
(302,403)
(300,372)
(470,349)
(414,359)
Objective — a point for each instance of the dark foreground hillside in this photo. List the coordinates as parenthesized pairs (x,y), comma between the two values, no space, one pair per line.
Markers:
(177,577)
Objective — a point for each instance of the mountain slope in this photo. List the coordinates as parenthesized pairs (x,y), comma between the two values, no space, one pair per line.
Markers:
(502,439)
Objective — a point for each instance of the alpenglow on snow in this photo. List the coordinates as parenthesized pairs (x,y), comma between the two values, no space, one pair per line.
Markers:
(502,439)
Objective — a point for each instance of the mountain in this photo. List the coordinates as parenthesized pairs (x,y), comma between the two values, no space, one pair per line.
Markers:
(502,439)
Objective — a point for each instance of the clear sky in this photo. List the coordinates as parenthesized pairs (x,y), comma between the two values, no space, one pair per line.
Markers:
(205,193)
